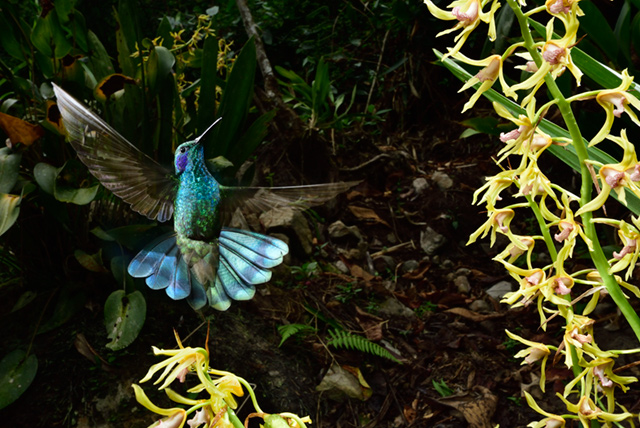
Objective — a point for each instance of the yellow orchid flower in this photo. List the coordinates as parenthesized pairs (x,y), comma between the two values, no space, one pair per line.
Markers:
(615,102)
(499,220)
(535,352)
(556,58)
(492,70)
(617,177)
(469,14)
(175,417)
(515,140)
(587,411)
(551,420)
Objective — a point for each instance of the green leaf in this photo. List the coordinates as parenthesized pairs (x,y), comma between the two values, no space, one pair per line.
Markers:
(235,102)
(124,53)
(164,32)
(10,43)
(288,330)
(596,26)
(124,317)
(76,27)
(159,68)
(48,37)
(9,210)
(48,178)
(9,169)
(45,176)
(208,83)
(17,371)
(442,388)
(319,90)
(251,139)
(99,60)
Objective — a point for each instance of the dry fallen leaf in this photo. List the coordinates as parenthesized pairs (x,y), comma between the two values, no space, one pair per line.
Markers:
(366,214)
(473,316)
(477,406)
(357,272)
(371,324)
(20,131)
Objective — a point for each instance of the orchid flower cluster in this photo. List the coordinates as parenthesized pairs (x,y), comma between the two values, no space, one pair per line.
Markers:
(565,219)
(217,410)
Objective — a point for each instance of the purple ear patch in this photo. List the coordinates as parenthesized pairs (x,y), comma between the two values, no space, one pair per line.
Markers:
(181,162)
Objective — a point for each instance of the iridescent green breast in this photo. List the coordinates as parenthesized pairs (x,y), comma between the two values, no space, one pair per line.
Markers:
(196,206)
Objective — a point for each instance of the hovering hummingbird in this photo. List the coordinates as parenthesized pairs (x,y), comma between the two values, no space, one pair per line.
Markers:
(203,260)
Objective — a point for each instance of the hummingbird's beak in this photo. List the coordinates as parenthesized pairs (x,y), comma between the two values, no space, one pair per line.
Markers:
(197,140)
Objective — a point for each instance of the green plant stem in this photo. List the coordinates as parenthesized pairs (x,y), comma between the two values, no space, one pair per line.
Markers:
(543,228)
(597,255)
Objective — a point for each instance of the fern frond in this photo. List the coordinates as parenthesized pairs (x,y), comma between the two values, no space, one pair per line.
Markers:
(288,330)
(344,339)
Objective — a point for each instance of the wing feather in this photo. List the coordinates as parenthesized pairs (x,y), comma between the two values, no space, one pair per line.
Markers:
(262,199)
(123,169)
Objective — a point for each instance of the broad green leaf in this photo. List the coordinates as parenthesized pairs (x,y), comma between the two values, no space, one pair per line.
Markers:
(251,139)
(124,316)
(159,68)
(17,371)
(596,26)
(99,60)
(622,31)
(48,37)
(208,81)
(8,39)
(9,169)
(47,177)
(235,102)
(9,210)
(164,32)
(124,53)
(566,154)
(76,27)
(320,89)
(486,125)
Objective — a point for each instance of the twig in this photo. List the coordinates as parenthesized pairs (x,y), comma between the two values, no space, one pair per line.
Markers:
(391,249)
(375,76)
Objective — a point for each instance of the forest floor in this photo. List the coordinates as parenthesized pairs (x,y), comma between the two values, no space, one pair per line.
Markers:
(430,309)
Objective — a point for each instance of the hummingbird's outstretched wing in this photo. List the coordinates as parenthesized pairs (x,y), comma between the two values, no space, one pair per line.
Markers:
(261,199)
(140,181)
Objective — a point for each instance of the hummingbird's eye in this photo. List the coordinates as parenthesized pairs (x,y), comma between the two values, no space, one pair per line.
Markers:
(183,149)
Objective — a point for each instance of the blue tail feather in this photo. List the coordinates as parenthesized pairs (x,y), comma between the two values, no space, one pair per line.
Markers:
(217,297)
(198,297)
(149,258)
(244,260)
(234,285)
(180,287)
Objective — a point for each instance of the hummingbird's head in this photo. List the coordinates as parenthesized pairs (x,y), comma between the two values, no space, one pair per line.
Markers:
(190,153)
(186,155)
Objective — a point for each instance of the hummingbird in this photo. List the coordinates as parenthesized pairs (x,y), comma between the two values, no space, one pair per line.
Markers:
(203,260)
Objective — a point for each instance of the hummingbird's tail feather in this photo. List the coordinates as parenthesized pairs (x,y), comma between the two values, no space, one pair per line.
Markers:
(161,262)
(245,259)
(214,273)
